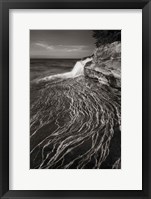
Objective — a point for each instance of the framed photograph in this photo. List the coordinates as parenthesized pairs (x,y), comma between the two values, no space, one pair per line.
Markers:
(75,99)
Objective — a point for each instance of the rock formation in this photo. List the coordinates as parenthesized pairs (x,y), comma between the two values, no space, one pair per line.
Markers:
(106,65)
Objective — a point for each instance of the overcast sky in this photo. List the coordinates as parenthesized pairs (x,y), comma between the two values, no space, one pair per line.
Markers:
(61,43)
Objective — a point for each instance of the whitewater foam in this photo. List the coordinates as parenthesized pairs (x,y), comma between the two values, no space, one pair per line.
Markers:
(77,70)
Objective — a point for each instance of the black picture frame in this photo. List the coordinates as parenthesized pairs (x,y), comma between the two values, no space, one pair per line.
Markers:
(5,5)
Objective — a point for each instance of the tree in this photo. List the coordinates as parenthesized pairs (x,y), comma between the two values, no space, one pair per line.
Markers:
(106,36)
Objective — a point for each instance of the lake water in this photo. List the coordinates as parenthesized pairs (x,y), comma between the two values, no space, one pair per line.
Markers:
(44,67)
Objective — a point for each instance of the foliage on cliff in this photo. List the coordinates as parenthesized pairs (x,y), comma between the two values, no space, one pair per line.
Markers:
(103,37)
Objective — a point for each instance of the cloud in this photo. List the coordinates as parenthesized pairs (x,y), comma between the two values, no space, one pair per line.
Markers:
(68,48)
(46,46)
(72,48)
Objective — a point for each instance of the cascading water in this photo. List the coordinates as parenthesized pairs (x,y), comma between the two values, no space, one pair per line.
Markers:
(77,70)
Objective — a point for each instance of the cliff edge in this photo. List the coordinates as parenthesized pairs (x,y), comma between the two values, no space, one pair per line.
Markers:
(105,65)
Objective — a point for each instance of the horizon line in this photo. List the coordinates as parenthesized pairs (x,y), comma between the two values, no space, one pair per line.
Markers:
(55,58)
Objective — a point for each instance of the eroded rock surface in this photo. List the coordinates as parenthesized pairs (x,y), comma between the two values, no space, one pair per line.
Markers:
(106,65)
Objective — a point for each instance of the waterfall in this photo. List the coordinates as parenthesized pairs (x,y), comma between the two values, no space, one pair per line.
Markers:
(77,70)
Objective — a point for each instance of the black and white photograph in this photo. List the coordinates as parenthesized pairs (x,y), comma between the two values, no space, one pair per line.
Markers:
(75,99)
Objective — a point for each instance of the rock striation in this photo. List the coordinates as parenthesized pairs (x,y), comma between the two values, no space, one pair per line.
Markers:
(106,65)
